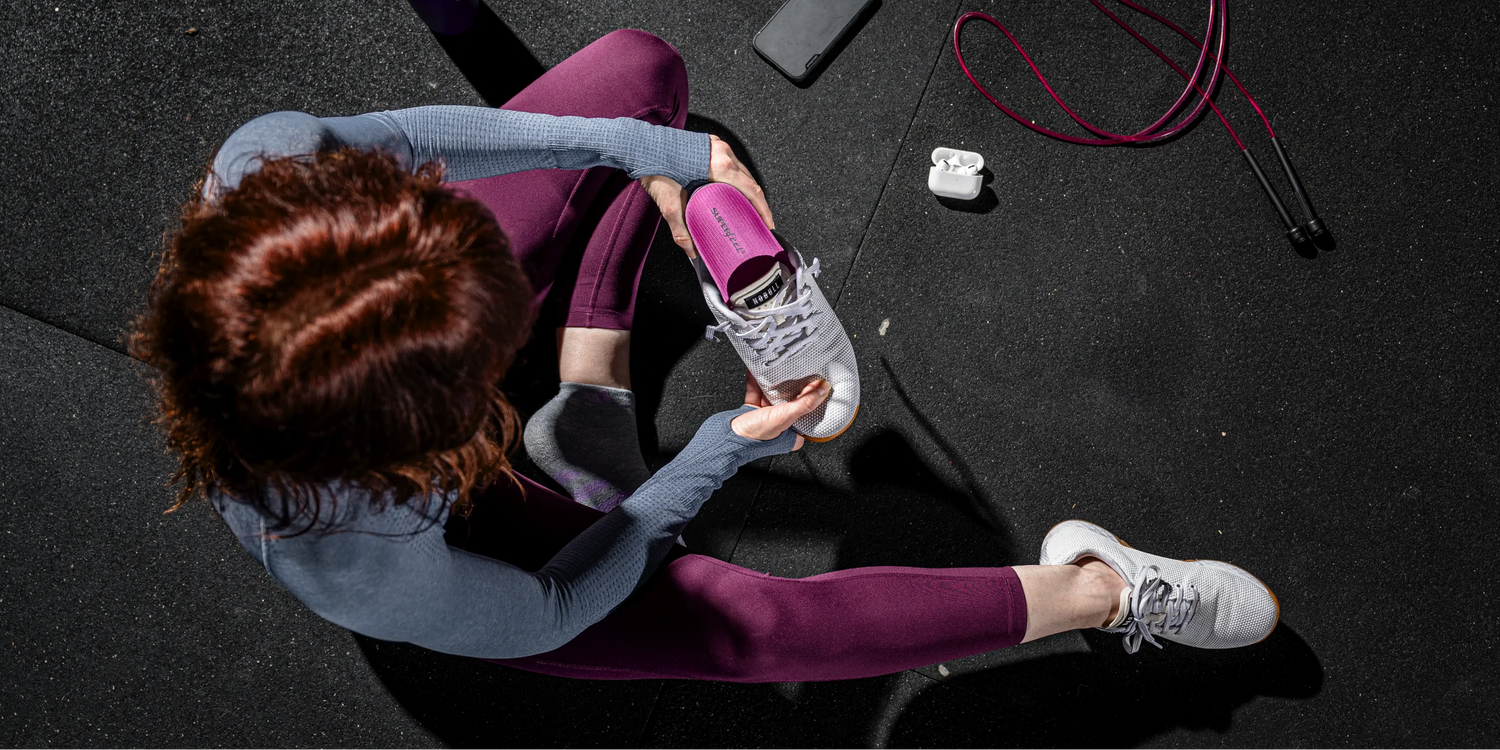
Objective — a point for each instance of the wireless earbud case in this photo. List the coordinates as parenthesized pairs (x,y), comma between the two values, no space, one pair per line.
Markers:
(955,173)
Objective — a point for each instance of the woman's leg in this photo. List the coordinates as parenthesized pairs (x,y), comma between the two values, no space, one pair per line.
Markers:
(582,236)
(1060,598)
(701,618)
(599,216)
(594,340)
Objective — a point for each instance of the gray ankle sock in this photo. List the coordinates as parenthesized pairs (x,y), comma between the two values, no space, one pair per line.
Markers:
(585,439)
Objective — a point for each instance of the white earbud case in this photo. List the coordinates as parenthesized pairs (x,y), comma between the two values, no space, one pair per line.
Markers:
(955,173)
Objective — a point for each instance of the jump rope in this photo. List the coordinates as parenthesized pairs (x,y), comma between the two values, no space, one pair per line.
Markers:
(1312,231)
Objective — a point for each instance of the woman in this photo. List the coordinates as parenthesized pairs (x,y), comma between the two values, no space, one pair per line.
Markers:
(332,324)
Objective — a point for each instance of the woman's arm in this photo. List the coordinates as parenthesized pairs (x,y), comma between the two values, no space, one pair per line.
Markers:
(472,142)
(479,142)
(419,590)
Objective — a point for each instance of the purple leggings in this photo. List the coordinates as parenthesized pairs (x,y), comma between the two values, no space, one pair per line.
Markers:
(589,229)
(697,617)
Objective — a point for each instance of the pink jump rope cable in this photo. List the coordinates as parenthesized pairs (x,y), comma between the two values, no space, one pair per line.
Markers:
(1218,33)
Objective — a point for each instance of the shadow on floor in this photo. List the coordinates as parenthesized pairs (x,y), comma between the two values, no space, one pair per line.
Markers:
(984,511)
(983,203)
(1102,698)
(493,59)
(1107,698)
(669,319)
(470,703)
(900,511)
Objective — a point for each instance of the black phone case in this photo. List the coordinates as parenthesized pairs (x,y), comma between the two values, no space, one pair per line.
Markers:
(818,58)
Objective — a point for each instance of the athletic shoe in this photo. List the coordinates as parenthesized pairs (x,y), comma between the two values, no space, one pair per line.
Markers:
(770,308)
(1202,603)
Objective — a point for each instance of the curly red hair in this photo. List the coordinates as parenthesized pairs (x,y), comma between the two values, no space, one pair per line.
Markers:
(336,318)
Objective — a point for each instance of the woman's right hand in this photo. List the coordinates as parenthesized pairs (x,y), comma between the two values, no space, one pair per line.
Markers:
(723,166)
(770,420)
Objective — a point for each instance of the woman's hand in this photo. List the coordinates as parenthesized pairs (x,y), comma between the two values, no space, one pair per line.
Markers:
(769,421)
(723,166)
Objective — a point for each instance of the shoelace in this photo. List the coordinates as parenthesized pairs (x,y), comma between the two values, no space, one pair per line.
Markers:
(796,326)
(1156,607)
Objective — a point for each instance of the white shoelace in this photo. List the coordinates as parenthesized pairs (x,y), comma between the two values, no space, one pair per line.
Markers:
(1156,607)
(782,330)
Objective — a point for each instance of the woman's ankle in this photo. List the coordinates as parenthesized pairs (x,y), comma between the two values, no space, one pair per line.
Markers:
(594,356)
(1102,585)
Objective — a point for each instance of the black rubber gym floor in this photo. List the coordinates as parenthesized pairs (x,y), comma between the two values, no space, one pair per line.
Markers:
(1120,335)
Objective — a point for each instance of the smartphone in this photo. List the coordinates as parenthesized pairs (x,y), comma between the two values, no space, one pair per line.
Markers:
(803,32)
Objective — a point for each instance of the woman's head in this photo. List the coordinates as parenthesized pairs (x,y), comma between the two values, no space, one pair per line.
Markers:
(337,318)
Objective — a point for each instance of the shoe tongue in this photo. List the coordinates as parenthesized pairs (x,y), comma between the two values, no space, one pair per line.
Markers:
(767,291)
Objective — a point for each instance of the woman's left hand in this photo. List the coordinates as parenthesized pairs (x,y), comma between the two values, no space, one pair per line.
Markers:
(723,166)
(769,420)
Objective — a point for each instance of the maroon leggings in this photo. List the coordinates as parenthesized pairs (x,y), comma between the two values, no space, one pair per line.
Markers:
(589,229)
(696,617)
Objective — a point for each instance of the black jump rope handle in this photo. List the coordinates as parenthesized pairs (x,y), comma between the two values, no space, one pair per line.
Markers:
(1294,234)
(1314,227)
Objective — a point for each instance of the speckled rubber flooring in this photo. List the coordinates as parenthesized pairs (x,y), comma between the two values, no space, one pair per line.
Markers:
(1119,335)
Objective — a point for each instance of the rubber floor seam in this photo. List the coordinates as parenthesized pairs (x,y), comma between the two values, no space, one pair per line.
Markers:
(900,146)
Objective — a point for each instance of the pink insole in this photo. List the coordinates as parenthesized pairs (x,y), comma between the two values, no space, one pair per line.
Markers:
(729,235)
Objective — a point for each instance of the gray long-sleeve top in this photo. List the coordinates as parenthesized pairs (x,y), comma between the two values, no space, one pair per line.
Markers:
(473,143)
(389,574)
(376,577)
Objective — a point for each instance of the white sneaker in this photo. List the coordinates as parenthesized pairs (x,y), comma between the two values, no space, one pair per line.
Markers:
(769,306)
(1202,603)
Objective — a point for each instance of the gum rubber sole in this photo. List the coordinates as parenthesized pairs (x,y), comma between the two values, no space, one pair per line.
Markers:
(1274,599)
(836,434)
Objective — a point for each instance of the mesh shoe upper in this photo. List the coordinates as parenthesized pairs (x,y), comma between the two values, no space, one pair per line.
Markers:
(769,306)
(1203,603)
(787,345)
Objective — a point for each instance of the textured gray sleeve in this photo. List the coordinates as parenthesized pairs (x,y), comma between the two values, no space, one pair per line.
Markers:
(477,142)
(415,588)
(473,143)
(281,134)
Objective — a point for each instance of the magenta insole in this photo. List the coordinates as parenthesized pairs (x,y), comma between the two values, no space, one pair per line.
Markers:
(736,246)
